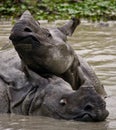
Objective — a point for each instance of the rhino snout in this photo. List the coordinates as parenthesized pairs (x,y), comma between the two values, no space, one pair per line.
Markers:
(97,116)
(90,113)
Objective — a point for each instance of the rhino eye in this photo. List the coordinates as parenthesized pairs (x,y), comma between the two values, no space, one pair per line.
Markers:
(49,35)
(63,102)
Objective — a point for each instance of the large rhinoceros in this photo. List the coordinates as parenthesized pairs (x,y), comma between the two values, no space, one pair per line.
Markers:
(25,92)
(45,51)
(28,84)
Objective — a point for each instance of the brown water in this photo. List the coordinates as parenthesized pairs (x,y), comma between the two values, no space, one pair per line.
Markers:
(97,44)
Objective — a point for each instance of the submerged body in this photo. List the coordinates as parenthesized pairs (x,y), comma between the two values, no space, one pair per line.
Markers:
(25,92)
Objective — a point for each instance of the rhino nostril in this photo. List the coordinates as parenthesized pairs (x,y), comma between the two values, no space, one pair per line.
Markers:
(27,29)
(88,107)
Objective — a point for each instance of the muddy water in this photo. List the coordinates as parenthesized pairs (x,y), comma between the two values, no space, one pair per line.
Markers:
(96,42)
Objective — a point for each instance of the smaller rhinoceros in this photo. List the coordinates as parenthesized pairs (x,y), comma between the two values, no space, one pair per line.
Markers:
(25,92)
(45,51)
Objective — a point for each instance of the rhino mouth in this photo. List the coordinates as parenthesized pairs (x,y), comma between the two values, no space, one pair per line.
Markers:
(79,117)
(90,117)
(86,117)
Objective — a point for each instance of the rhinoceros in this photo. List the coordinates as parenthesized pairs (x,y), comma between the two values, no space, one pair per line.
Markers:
(46,51)
(46,77)
(23,91)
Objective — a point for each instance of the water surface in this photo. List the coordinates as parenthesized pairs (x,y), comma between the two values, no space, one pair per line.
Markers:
(96,42)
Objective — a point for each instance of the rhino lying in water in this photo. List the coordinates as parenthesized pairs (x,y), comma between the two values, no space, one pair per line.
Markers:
(27,93)
(45,51)
(29,86)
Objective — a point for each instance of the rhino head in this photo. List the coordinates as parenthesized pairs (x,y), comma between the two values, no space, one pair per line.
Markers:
(36,45)
(54,97)
(82,105)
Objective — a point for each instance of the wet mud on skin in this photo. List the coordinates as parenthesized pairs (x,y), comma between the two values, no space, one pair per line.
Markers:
(96,42)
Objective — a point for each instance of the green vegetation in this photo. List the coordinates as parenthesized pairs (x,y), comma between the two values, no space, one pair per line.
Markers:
(60,9)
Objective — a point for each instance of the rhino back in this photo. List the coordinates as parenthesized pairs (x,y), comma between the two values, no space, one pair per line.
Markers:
(11,69)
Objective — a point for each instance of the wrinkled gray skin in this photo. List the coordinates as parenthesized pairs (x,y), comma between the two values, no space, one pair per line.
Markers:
(27,93)
(45,51)
(28,86)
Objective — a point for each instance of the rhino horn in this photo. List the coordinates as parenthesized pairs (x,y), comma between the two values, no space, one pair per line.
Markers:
(26,15)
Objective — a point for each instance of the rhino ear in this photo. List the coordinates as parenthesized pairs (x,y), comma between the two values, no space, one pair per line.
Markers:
(69,27)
